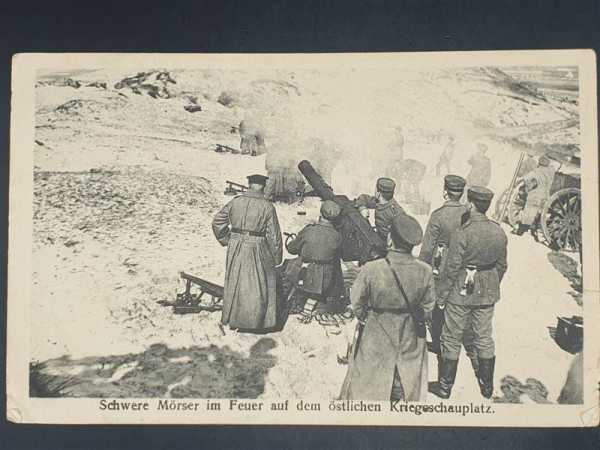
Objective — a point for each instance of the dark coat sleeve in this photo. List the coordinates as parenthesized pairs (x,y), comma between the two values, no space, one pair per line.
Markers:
(294,246)
(274,237)
(359,294)
(428,296)
(220,225)
(501,264)
(432,233)
(454,263)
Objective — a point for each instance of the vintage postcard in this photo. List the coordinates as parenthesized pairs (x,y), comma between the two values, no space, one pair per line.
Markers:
(355,239)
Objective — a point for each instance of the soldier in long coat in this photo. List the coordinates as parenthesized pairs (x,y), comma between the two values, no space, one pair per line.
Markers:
(319,247)
(469,288)
(442,223)
(249,227)
(481,168)
(389,358)
(537,184)
(385,205)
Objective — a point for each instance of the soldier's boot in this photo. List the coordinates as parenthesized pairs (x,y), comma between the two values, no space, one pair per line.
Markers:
(447,370)
(486,376)
(474,359)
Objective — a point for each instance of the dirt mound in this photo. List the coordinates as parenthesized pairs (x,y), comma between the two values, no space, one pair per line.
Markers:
(79,107)
(195,372)
(513,391)
(97,84)
(153,83)
(104,203)
(61,82)
(228,98)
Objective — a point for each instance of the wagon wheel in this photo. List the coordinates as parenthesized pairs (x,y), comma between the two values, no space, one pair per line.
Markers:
(561,219)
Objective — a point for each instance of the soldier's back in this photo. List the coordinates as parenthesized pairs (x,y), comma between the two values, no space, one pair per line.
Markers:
(250,211)
(389,209)
(449,218)
(414,274)
(485,241)
(321,242)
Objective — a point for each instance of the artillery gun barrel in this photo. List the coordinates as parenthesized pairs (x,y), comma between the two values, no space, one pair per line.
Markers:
(361,242)
(321,188)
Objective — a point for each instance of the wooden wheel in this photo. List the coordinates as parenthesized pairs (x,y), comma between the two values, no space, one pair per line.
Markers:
(561,220)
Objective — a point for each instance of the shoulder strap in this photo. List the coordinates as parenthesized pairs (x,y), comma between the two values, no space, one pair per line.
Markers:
(402,291)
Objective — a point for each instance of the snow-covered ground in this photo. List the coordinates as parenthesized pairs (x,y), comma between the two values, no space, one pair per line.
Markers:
(126,186)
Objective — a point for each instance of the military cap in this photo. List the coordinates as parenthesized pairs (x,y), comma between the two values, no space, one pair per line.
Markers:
(330,210)
(454,183)
(480,193)
(544,161)
(407,229)
(386,185)
(257,179)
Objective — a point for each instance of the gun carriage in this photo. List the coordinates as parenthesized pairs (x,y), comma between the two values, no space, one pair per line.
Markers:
(361,244)
(560,218)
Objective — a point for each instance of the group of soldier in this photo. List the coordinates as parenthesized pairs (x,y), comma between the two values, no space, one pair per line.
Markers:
(450,288)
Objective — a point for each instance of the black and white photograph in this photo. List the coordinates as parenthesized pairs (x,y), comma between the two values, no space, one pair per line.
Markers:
(304,238)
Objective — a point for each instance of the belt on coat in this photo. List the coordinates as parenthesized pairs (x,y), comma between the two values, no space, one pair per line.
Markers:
(248,232)
(317,261)
(389,310)
(481,268)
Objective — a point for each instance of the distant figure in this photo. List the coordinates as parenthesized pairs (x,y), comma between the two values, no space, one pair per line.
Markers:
(249,227)
(410,174)
(384,204)
(319,247)
(481,168)
(397,147)
(469,287)
(252,141)
(537,185)
(446,158)
(392,299)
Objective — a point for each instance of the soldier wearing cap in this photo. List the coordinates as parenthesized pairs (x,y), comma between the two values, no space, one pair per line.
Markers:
(385,205)
(537,185)
(469,287)
(319,247)
(392,298)
(249,227)
(442,223)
